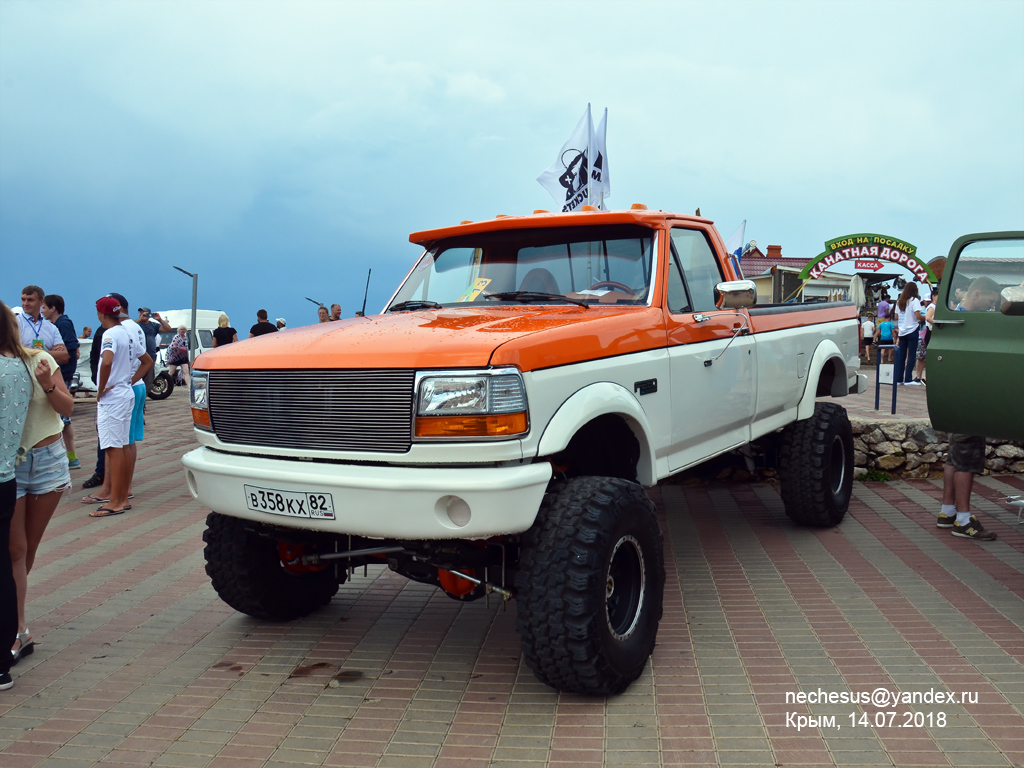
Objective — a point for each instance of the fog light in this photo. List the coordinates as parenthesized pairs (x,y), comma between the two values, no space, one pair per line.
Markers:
(453,510)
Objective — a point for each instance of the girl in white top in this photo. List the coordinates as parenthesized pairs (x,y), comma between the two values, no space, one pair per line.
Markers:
(41,468)
(909,306)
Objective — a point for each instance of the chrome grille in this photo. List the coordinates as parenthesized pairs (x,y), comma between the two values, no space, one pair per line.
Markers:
(328,410)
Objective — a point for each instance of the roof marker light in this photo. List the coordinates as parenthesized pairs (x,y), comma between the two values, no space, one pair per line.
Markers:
(588,208)
(638,207)
(466,221)
(540,210)
(501,215)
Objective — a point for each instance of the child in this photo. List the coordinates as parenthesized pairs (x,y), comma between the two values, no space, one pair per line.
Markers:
(883,335)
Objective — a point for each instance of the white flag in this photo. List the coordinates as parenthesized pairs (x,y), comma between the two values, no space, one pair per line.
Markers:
(599,175)
(568,178)
(734,245)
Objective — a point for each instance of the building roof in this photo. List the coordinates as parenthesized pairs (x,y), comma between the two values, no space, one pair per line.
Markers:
(758,266)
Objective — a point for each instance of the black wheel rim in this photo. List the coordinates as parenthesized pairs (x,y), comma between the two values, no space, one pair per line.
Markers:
(625,587)
(838,462)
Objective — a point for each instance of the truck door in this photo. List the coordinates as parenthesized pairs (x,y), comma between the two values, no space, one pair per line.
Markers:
(713,390)
(975,364)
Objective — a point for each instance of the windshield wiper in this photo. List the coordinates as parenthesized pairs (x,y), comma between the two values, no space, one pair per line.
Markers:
(530,296)
(414,304)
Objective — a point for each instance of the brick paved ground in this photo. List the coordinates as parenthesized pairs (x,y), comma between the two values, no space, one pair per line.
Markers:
(139,663)
(911,402)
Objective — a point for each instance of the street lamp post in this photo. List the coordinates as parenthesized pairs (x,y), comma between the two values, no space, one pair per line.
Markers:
(195,293)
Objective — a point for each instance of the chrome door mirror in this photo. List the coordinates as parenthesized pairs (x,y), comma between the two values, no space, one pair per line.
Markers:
(735,294)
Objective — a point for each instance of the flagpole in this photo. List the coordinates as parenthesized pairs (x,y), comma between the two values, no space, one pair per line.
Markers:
(590,157)
(604,160)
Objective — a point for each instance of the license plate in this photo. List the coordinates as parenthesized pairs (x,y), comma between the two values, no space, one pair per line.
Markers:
(289,503)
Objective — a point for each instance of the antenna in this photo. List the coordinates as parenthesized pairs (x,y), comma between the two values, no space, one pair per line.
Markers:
(318,303)
(362,312)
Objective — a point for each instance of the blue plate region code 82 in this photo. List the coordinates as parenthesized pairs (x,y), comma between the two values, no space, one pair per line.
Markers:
(289,503)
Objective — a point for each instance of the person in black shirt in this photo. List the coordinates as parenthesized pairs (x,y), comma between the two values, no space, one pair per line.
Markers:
(53,310)
(262,326)
(224,334)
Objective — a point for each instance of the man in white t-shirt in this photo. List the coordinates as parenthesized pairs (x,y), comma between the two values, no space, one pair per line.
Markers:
(141,364)
(114,403)
(36,331)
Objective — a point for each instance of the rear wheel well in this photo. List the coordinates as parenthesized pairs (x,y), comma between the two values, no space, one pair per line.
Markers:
(604,447)
(831,383)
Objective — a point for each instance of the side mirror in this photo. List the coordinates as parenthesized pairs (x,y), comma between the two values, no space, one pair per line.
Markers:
(735,294)
(1011,300)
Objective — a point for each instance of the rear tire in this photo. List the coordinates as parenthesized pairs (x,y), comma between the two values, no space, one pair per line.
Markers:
(816,467)
(161,388)
(248,574)
(590,585)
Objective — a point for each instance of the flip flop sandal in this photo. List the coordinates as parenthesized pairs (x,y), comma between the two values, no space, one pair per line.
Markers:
(106,512)
(127,507)
(91,499)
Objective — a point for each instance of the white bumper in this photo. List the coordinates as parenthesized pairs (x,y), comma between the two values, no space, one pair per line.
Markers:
(375,501)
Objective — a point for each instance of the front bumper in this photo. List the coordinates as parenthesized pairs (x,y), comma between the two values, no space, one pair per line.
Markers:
(386,502)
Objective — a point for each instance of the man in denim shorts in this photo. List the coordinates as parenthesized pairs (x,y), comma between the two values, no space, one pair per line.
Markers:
(965,459)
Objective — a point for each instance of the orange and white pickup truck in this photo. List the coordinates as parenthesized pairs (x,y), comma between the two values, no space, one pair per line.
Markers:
(492,430)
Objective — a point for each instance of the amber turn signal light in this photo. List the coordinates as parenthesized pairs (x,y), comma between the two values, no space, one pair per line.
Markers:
(496,425)
(201,418)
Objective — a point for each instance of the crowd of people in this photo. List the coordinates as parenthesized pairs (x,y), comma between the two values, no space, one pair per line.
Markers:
(39,352)
(900,332)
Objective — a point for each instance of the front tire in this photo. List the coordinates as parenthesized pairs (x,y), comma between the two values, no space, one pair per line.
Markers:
(590,585)
(248,573)
(161,388)
(816,467)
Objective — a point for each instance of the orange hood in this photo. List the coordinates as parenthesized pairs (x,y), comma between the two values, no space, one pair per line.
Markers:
(473,337)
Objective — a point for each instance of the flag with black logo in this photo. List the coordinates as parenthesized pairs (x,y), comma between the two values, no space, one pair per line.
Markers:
(570,179)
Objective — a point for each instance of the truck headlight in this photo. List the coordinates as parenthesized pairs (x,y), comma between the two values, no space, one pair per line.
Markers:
(199,399)
(479,404)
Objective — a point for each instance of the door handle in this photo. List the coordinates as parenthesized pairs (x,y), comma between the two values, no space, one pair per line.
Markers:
(948,322)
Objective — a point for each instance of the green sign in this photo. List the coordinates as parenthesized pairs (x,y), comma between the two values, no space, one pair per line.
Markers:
(868,247)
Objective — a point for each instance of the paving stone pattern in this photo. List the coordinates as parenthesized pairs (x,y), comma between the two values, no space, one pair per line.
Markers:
(139,663)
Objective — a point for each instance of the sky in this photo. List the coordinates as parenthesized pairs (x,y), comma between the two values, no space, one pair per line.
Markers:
(283,149)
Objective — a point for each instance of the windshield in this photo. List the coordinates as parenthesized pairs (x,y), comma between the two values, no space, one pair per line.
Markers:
(592,265)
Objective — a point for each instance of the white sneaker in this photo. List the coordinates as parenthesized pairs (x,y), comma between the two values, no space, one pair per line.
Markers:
(912,383)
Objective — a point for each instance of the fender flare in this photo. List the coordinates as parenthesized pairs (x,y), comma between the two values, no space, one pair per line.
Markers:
(600,399)
(826,351)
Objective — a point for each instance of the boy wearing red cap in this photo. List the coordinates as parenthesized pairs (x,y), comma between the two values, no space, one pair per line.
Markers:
(114,401)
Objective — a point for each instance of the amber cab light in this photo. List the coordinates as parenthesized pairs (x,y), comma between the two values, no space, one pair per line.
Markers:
(588,208)
(201,418)
(638,207)
(540,210)
(495,425)
(466,221)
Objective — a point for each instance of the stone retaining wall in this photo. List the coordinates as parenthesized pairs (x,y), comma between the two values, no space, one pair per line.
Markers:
(912,449)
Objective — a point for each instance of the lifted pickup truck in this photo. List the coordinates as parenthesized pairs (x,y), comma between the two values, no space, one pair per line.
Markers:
(491,431)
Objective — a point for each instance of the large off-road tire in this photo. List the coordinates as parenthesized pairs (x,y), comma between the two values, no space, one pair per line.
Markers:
(161,387)
(589,586)
(816,467)
(248,574)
